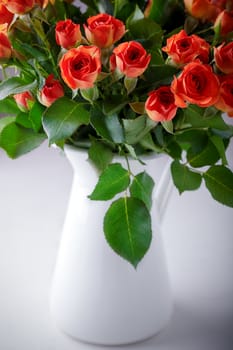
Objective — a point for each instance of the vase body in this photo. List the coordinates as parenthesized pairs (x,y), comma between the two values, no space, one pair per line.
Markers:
(97,296)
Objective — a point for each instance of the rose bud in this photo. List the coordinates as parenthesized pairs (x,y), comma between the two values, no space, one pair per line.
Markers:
(182,48)
(160,105)
(67,33)
(206,10)
(130,58)
(80,66)
(5,47)
(104,30)
(51,91)
(18,6)
(23,100)
(225,101)
(223,56)
(5,15)
(196,84)
(224,22)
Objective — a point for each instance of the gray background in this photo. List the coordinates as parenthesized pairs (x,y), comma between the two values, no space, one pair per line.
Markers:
(198,238)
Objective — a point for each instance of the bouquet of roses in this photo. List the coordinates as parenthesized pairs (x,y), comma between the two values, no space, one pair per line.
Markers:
(127,78)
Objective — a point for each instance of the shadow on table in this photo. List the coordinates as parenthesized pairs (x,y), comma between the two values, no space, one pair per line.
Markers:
(186,331)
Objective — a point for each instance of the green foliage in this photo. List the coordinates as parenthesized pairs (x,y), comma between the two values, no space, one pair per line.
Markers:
(142,187)
(127,228)
(219,181)
(62,118)
(113,180)
(17,140)
(184,178)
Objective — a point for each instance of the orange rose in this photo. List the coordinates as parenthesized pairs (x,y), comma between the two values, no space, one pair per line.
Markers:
(206,10)
(67,34)
(225,101)
(22,100)
(160,105)
(224,21)
(182,48)
(196,84)
(104,30)
(130,58)
(223,56)
(19,6)
(51,91)
(5,15)
(5,47)
(80,66)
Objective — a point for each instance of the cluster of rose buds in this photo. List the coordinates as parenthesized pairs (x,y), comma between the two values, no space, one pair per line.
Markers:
(201,80)
(198,83)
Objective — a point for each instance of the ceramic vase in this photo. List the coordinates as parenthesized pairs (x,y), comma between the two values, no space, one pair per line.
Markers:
(97,296)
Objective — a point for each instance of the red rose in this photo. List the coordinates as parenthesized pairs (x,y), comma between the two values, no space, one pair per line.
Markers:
(160,105)
(80,66)
(224,22)
(5,47)
(196,84)
(23,99)
(225,101)
(206,10)
(51,91)
(130,58)
(5,15)
(223,55)
(104,30)
(183,49)
(67,33)
(19,6)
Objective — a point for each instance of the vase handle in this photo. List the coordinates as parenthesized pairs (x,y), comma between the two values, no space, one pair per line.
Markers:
(164,190)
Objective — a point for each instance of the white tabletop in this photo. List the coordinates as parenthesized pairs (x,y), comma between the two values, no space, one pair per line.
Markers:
(198,238)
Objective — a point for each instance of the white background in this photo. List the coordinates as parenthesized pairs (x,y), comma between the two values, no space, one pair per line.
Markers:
(198,238)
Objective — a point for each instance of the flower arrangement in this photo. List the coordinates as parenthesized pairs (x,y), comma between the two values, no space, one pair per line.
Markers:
(128,78)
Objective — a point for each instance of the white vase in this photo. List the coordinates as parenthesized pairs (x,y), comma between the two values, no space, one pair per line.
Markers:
(97,296)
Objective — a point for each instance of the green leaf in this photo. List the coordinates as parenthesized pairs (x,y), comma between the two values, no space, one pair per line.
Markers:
(90,94)
(123,8)
(4,121)
(63,118)
(142,188)
(23,120)
(209,155)
(184,178)
(8,106)
(127,228)
(168,126)
(219,181)
(219,144)
(130,84)
(199,117)
(145,29)
(136,129)
(15,85)
(99,154)
(35,116)
(108,127)
(113,180)
(17,140)
(147,143)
